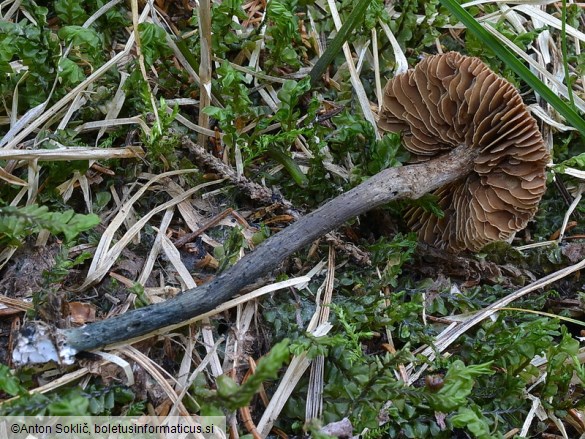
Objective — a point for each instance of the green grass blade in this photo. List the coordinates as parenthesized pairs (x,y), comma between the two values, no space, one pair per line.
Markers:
(542,313)
(355,18)
(290,165)
(564,51)
(517,66)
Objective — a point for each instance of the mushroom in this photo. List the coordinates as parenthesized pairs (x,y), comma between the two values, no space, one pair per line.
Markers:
(450,100)
(451,107)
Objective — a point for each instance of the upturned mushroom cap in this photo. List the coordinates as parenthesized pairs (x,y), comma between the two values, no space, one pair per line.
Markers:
(450,100)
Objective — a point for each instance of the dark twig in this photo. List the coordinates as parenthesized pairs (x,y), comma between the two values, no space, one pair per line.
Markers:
(180,242)
(253,190)
(262,194)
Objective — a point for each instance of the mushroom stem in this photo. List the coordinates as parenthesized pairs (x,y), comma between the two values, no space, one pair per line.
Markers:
(411,181)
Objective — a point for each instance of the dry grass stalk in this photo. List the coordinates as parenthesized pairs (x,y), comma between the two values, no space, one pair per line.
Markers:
(205,65)
(174,257)
(451,334)
(183,388)
(156,247)
(105,257)
(71,153)
(399,57)
(314,405)
(57,107)
(355,80)
(136,21)
(160,375)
